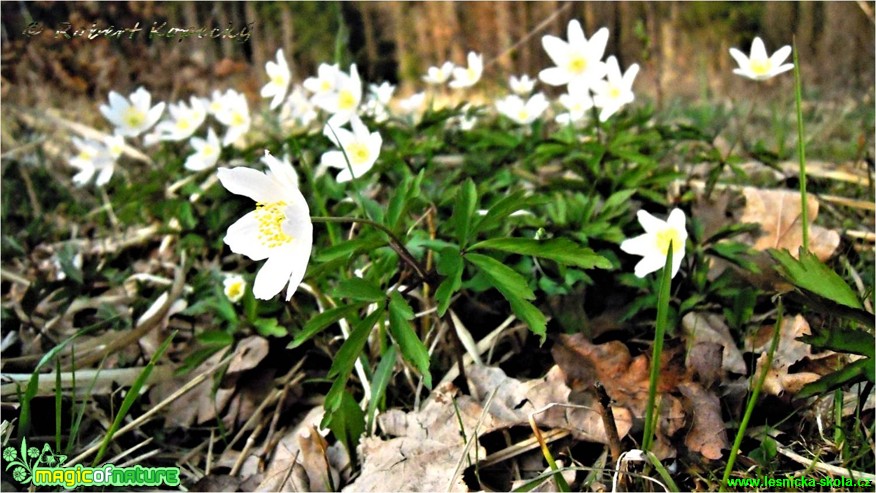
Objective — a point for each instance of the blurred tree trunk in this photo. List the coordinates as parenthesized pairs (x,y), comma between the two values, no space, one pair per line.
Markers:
(503,36)
(259,37)
(370,43)
(287,29)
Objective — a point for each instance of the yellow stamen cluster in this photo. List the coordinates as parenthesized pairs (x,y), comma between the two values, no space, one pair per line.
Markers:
(577,64)
(134,118)
(761,67)
(237,119)
(346,100)
(664,237)
(270,219)
(357,153)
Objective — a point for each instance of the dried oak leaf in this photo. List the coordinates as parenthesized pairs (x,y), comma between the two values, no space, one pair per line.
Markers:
(707,434)
(708,327)
(789,352)
(779,214)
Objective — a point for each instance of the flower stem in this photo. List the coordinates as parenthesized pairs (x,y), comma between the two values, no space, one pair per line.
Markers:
(801,150)
(394,242)
(660,329)
(752,399)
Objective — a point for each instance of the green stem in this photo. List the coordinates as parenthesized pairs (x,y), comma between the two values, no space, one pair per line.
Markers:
(659,331)
(755,393)
(394,242)
(801,151)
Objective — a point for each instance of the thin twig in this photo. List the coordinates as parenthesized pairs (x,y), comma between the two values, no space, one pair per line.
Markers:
(825,468)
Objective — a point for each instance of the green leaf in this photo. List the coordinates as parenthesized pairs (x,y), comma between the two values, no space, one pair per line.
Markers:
(504,278)
(412,348)
(269,327)
(132,395)
(810,274)
(400,203)
(561,250)
(463,211)
(348,423)
(860,370)
(323,320)
(359,289)
(450,265)
(344,360)
(379,382)
(842,340)
(505,207)
(348,248)
(514,288)
(218,338)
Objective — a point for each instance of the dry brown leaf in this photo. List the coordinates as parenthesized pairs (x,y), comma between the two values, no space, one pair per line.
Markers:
(707,434)
(788,352)
(248,354)
(428,443)
(705,359)
(516,400)
(314,458)
(708,327)
(626,379)
(779,214)
(284,471)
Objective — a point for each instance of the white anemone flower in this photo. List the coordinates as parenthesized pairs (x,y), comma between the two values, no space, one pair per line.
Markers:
(577,103)
(439,75)
(521,86)
(523,112)
(279,229)
(185,120)
(344,100)
(134,115)
(413,103)
(206,154)
(280,76)
(94,157)
(759,66)
(577,60)
(654,244)
(468,76)
(234,286)
(378,100)
(234,114)
(616,90)
(360,146)
(216,103)
(325,80)
(297,109)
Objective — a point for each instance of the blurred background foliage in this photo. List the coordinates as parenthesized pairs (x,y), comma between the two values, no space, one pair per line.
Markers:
(681,46)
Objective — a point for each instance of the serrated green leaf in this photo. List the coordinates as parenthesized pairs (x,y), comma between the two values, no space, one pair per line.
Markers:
(379,382)
(347,248)
(450,265)
(506,206)
(842,340)
(504,278)
(343,363)
(269,327)
(323,320)
(359,289)
(348,423)
(217,338)
(810,274)
(463,211)
(514,288)
(860,370)
(560,250)
(412,348)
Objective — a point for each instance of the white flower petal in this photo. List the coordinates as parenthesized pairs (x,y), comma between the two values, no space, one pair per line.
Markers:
(649,264)
(249,183)
(649,223)
(242,238)
(273,275)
